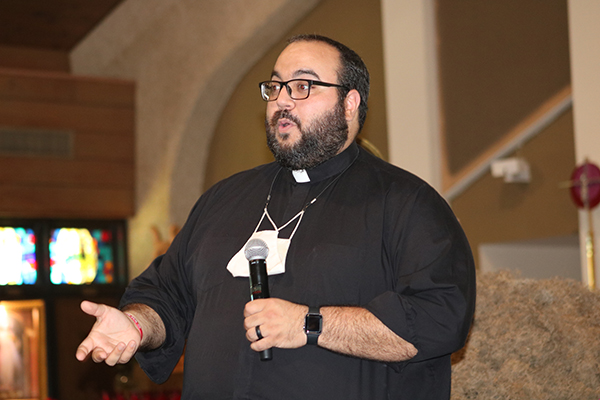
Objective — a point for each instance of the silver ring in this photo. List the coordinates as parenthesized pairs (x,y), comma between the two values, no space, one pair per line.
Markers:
(257,329)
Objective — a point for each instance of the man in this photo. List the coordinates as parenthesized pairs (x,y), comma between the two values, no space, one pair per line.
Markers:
(374,252)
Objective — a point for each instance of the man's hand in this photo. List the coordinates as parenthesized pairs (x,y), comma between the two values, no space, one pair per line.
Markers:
(113,339)
(347,330)
(281,324)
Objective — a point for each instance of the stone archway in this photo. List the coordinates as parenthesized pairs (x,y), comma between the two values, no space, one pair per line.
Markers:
(186,57)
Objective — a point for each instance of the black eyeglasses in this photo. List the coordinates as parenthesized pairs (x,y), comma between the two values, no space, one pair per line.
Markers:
(298,89)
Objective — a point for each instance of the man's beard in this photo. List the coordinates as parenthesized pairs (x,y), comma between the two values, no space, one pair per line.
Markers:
(319,141)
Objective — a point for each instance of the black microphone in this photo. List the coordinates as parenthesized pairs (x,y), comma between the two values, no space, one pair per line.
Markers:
(256,253)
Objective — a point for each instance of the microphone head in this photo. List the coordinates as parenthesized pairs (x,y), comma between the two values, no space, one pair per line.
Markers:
(256,249)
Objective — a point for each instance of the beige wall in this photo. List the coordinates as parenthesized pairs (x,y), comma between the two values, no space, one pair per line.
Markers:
(499,61)
(239,139)
(492,211)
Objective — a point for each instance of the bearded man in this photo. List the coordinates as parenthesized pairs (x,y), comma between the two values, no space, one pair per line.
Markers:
(371,278)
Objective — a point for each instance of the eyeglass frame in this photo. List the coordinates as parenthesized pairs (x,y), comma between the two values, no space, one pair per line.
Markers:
(311,82)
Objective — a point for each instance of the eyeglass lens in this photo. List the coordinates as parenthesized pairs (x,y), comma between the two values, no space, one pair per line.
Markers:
(298,89)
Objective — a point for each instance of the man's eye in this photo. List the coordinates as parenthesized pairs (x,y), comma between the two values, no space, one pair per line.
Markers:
(302,86)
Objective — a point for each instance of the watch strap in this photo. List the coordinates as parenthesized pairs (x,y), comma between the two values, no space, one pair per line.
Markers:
(312,337)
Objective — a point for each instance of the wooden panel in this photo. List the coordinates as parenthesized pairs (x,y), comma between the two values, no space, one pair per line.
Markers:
(18,85)
(60,172)
(56,24)
(97,179)
(66,116)
(65,202)
(105,91)
(34,58)
(64,88)
(107,147)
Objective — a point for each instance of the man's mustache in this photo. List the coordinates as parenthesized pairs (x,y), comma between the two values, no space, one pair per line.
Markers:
(284,114)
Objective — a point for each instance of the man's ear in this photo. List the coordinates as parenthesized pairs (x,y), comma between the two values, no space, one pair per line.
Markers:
(351,104)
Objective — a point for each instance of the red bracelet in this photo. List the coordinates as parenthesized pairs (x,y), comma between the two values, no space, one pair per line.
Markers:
(137,324)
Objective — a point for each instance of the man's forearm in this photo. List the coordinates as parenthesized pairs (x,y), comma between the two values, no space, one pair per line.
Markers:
(357,332)
(153,328)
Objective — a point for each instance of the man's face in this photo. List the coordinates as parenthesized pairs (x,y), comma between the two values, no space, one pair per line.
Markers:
(304,133)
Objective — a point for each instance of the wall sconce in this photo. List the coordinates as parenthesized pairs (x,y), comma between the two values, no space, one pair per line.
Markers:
(514,170)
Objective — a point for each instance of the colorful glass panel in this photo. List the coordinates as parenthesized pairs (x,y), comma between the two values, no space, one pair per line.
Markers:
(17,252)
(80,256)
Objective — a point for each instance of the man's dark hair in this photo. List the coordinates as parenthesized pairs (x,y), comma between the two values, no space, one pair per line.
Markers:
(353,74)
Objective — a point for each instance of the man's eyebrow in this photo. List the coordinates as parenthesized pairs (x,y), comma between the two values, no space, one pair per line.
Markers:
(307,72)
(297,73)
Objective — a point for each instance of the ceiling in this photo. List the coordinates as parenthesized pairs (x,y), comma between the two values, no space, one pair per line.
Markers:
(50,24)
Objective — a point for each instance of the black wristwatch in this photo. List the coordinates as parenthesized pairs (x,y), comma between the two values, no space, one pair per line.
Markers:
(313,325)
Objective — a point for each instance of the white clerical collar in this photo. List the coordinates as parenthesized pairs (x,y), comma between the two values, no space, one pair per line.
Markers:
(301,176)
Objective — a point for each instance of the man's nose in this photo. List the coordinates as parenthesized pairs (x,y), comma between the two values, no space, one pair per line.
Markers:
(284,101)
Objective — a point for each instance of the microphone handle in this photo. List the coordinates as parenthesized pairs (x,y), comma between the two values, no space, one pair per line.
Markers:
(259,289)
(266,355)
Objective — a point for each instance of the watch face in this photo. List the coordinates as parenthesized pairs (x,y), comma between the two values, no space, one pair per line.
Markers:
(313,323)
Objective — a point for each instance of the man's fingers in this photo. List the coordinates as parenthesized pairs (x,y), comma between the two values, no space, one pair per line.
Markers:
(115,355)
(92,309)
(98,355)
(261,345)
(121,354)
(84,349)
(252,333)
(129,352)
(255,306)
(81,353)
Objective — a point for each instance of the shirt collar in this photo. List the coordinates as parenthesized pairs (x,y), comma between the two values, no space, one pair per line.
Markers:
(329,168)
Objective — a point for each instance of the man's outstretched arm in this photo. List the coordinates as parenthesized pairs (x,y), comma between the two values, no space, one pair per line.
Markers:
(116,336)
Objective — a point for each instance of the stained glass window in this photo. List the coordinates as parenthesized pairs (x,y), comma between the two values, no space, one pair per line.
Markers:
(17,252)
(80,256)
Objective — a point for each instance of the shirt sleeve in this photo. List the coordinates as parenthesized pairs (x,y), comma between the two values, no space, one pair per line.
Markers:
(433,297)
(165,287)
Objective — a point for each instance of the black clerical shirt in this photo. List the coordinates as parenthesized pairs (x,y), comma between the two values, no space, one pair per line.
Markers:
(377,237)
